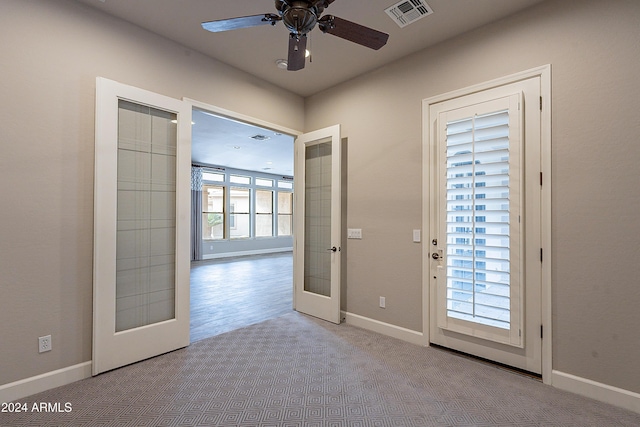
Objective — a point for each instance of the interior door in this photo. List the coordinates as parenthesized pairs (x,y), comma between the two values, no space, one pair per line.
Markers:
(484,253)
(317,214)
(141,231)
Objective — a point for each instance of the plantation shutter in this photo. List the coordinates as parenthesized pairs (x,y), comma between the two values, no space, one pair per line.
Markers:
(482,210)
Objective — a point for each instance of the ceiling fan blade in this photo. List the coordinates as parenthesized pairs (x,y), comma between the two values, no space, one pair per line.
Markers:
(353,32)
(242,22)
(297,52)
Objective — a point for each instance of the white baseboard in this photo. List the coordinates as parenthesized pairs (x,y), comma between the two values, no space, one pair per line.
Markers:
(604,393)
(39,383)
(244,253)
(383,328)
(598,391)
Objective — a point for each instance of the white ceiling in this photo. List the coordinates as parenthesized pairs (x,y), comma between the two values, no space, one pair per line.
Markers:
(334,60)
(224,142)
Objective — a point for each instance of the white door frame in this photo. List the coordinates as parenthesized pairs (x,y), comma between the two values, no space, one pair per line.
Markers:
(544,73)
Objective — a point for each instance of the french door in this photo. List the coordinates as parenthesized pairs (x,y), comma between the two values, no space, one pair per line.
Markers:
(484,249)
(317,247)
(141,231)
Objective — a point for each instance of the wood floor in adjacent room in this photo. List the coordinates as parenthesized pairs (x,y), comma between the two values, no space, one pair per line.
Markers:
(232,293)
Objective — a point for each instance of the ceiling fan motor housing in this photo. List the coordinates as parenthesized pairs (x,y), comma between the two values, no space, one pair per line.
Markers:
(300,16)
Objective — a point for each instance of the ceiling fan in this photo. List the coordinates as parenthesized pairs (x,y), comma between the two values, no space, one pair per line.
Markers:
(300,17)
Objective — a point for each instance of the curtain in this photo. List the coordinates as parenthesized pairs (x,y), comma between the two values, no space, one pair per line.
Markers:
(196,213)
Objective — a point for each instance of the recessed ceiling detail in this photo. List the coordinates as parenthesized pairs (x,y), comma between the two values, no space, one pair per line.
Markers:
(261,137)
(408,11)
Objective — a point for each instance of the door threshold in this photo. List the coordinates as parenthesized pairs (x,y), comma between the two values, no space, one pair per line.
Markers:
(502,366)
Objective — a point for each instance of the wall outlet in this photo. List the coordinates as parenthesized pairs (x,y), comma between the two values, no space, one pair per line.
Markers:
(383,302)
(44,344)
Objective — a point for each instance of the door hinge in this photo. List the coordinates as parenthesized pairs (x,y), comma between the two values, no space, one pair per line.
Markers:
(540,103)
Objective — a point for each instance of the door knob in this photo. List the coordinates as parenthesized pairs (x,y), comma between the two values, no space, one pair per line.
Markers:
(435,256)
(333,249)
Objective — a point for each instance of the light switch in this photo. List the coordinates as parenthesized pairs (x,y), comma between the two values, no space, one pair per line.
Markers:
(354,233)
(416,236)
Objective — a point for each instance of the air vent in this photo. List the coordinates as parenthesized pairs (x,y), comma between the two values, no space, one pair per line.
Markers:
(260,137)
(408,11)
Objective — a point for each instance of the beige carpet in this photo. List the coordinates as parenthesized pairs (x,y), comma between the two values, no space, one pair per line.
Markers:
(299,371)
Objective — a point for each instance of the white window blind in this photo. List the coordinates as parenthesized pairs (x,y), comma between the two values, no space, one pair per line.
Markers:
(478,219)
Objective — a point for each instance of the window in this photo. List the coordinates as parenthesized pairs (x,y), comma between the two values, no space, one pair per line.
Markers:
(239,213)
(244,204)
(213,212)
(264,213)
(285,213)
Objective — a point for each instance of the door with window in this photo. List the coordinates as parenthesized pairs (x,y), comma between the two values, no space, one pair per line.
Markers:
(484,249)
(317,218)
(141,231)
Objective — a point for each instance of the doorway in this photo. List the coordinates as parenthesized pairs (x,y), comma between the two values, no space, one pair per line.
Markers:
(242,216)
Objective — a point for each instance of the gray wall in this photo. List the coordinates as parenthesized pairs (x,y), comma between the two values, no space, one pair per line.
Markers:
(52,51)
(593,47)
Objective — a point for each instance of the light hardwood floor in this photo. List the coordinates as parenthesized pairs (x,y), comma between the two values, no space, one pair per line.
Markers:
(232,293)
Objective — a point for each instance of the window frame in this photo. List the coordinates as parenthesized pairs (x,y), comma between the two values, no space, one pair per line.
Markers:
(255,184)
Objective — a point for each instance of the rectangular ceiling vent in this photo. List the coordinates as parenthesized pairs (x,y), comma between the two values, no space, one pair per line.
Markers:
(408,11)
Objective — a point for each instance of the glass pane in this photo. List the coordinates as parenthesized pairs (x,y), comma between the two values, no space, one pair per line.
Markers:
(146,216)
(239,179)
(285,225)
(210,176)
(213,198)
(264,201)
(264,225)
(285,184)
(285,202)
(317,259)
(285,213)
(264,182)
(213,212)
(239,218)
(264,213)
(212,226)
(478,229)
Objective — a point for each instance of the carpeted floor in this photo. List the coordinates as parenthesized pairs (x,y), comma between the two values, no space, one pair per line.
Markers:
(299,371)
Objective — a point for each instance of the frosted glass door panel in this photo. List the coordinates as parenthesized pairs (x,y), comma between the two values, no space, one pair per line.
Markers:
(317,249)
(146,216)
